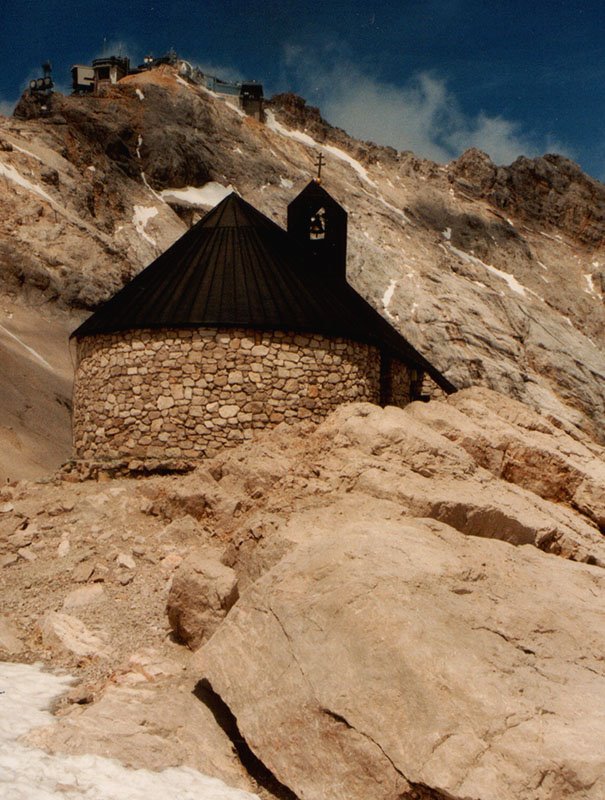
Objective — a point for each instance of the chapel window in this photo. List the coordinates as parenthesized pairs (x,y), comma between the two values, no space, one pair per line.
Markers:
(317,225)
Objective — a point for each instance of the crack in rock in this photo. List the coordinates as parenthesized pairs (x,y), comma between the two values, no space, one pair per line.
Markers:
(520,647)
(227,721)
(417,791)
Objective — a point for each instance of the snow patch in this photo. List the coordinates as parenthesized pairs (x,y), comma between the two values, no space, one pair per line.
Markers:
(591,287)
(25,152)
(29,349)
(208,195)
(140,218)
(359,169)
(11,173)
(140,94)
(388,296)
(151,189)
(235,108)
(286,183)
(27,773)
(393,208)
(139,143)
(277,127)
(447,234)
(512,282)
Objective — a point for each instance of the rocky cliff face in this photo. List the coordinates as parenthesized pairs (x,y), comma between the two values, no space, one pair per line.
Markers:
(552,191)
(494,273)
(396,604)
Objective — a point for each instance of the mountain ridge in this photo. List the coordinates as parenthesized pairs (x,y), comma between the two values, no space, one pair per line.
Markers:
(494,273)
(395,603)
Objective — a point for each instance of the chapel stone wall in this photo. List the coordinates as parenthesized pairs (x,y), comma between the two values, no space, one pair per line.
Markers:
(397,382)
(185,394)
(431,390)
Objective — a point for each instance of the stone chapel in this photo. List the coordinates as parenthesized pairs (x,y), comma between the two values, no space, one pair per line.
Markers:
(239,325)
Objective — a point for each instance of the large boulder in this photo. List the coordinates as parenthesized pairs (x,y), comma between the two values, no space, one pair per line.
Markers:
(402,659)
(202,592)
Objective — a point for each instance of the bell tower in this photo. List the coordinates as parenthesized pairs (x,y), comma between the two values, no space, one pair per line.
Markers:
(318,224)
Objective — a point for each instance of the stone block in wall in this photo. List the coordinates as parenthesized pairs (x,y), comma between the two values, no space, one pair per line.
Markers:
(228,411)
(165,402)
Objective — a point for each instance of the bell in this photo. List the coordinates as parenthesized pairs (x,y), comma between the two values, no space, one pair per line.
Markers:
(317,227)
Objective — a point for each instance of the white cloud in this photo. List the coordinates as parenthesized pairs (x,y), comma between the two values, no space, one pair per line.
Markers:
(421,115)
(500,138)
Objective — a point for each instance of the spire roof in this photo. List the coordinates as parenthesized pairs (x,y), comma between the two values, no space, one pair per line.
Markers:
(237,268)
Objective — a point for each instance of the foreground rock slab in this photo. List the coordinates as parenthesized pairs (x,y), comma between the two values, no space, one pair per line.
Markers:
(147,724)
(405,660)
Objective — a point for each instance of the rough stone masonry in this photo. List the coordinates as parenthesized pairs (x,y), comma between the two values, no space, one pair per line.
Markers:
(185,394)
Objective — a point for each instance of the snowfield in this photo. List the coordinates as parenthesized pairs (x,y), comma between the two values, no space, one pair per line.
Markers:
(27,348)
(140,218)
(513,283)
(27,773)
(11,174)
(208,195)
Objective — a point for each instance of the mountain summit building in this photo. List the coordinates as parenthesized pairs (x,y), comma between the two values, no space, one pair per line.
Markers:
(239,325)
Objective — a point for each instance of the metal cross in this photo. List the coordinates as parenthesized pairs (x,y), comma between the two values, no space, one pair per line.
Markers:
(319,164)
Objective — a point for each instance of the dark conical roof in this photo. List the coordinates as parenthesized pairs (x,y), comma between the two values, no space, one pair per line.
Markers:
(237,268)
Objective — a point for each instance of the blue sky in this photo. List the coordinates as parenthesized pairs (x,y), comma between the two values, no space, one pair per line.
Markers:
(432,76)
